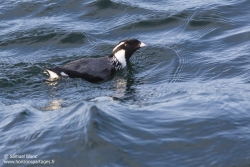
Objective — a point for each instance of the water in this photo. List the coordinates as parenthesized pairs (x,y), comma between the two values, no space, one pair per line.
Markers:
(182,101)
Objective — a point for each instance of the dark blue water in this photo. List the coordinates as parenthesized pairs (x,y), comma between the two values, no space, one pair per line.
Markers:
(184,100)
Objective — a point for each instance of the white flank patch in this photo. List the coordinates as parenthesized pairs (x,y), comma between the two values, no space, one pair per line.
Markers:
(52,74)
(64,74)
(118,46)
(120,55)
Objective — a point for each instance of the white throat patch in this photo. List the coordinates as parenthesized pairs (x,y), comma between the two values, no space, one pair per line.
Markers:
(118,46)
(120,55)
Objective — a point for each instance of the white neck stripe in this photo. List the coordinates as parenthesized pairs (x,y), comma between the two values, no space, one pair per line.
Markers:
(120,55)
(118,46)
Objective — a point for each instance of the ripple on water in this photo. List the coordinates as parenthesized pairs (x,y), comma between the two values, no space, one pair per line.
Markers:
(182,100)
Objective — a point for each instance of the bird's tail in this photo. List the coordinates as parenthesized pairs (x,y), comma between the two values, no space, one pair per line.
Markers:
(53,73)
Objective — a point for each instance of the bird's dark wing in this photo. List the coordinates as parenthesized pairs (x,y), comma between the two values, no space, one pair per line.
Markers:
(88,68)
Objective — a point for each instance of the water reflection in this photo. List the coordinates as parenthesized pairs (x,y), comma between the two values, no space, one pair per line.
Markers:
(120,87)
(54,105)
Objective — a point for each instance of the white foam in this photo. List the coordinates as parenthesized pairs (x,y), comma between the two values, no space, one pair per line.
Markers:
(120,55)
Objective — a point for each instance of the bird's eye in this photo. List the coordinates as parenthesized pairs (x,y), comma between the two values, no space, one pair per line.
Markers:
(126,45)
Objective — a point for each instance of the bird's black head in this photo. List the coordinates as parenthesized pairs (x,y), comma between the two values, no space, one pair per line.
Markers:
(125,49)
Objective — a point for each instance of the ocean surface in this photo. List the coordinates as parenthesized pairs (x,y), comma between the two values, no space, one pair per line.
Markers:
(182,101)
